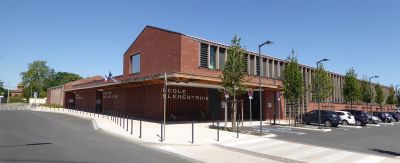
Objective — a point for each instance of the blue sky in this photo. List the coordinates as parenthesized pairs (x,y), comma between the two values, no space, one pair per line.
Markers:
(89,37)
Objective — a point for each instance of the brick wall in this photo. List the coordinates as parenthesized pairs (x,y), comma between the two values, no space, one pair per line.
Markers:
(159,52)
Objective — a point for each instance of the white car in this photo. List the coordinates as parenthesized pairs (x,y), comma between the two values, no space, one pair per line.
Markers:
(346,118)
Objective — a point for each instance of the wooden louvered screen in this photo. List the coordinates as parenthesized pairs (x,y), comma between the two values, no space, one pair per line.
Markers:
(204,55)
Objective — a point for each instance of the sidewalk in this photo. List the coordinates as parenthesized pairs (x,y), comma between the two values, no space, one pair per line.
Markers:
(206,148)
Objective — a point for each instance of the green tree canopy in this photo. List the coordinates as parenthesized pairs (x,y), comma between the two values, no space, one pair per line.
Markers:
(379,94)
(2,90)
(365,91)
(320,77)
(351,87)
(293,85)
(39,77)
(61,78)
(234,71)
(391,99)
(36,78)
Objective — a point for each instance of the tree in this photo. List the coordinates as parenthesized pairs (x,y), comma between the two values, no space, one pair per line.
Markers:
(379,94)
(365,91)
(233,73)
(398,98)
(35,78)
(391,99)
(3,91)
(61,78)
(321,78)
(293,83)
(351,88)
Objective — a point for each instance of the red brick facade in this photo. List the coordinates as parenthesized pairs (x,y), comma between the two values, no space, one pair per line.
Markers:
(178,55)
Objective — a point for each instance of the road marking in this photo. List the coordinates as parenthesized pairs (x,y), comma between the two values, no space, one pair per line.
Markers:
(245,142)
(180,152)
(285,131)
(334,157)
(266,145)
(371,159)
(307,153)
(283,149)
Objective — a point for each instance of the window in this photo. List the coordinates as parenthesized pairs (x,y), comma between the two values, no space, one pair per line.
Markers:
(213,57)
(221,58)
(135,63)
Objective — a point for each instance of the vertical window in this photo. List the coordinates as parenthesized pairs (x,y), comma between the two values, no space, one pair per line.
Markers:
(135,63)
(213,57)
(221,58)
(252,65)
(204,55)
(246,61)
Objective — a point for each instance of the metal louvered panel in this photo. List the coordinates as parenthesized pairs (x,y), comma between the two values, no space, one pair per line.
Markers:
(246,60)
(257,66)
(204,55)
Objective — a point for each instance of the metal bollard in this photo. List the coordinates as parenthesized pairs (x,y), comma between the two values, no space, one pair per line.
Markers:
(161,131)
(140,127)
(123,121)
(217,130)
(127,121)
(120,119)
(237,129)
(192,132)
(131,126)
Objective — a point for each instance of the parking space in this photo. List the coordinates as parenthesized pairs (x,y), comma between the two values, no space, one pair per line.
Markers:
(373,139)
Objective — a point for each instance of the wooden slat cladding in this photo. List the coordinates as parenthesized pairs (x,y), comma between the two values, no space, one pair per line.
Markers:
(85,99)
(142,101)
(187,102)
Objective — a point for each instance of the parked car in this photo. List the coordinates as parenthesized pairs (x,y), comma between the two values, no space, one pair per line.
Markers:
(373,119)
(346,118)
(395,115)
(328,118)
(360,116)
(385,117)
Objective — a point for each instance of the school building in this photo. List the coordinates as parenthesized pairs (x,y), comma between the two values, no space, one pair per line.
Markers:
(192,67)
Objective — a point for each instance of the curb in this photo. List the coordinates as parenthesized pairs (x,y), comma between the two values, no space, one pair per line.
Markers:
(374,125)
(349,126)
(310,129)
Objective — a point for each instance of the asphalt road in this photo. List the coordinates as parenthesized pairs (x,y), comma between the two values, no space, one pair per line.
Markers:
(28,136)
(384,140)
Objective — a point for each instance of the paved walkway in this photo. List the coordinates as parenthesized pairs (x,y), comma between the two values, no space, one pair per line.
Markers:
(229,149)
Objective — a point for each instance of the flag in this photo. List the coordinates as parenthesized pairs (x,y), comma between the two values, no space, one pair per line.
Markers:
(109,77)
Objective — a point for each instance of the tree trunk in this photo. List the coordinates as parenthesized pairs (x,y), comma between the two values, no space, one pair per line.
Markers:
(226,113)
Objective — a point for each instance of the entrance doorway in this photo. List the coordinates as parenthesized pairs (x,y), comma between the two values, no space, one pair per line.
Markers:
(99,101)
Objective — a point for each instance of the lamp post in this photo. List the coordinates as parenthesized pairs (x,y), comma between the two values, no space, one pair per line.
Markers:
(370,87)
(318,98)
(259,79)
(397,96)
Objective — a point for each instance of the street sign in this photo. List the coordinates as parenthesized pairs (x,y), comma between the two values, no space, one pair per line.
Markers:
(226,94)
(250,93)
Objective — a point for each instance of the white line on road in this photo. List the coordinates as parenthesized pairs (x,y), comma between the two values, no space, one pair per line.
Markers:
(245,142)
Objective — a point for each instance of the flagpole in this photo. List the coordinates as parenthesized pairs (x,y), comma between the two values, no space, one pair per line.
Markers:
(165,101)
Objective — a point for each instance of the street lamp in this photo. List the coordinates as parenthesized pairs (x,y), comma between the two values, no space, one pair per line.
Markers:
(259,79)
(318,98)
(370,87)
(397,95)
